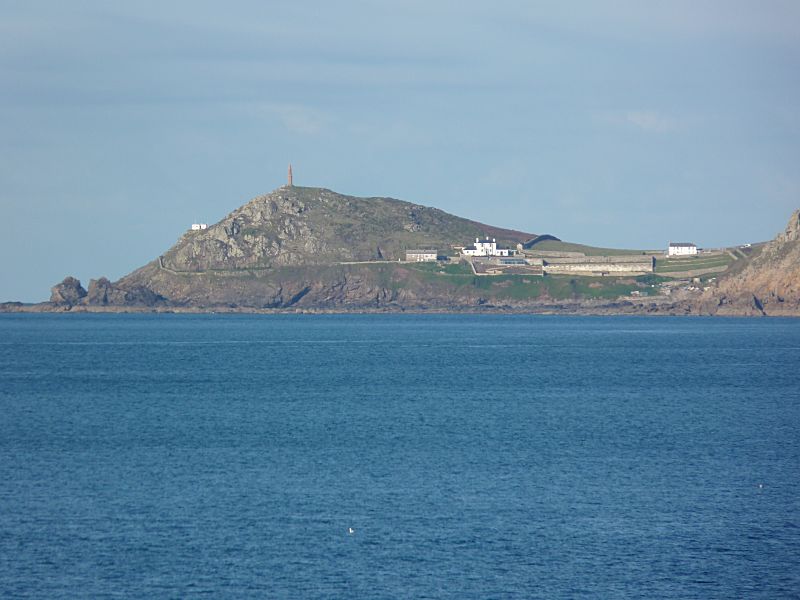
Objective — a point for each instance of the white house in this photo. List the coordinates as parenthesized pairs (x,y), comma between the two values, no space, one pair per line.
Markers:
(199,226)
(681,249)
(421,255)
(486,247)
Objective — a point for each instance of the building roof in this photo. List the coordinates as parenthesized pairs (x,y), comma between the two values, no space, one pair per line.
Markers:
(421,251)
(682,245)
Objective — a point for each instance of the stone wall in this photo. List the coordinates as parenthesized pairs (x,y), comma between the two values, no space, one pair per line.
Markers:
(554,253)
(604,260)
(599,265)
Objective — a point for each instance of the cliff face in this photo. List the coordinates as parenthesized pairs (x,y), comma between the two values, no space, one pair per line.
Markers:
(769,284)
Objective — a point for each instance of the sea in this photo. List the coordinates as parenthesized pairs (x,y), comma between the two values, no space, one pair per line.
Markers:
(398,456)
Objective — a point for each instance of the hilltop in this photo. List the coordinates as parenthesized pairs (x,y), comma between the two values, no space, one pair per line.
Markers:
(298,226)
(312,249)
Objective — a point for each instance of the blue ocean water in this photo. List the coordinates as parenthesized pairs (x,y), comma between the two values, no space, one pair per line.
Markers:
(473,456)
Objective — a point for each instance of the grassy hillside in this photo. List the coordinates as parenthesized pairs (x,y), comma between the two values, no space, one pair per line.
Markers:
(558,246)
(527,287)
(678,265)
(305,226)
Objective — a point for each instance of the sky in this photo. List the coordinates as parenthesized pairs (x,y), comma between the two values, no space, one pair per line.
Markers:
(622,124)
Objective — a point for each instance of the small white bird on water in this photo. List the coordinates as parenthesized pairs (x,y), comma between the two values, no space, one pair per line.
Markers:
(350,530)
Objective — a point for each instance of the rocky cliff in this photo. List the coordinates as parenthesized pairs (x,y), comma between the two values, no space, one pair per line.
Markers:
(768,284)
(70,293)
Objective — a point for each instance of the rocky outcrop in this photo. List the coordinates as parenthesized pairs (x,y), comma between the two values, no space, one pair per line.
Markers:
(792,232)
(70,294)
(769,284)
(67,293)
(103,293)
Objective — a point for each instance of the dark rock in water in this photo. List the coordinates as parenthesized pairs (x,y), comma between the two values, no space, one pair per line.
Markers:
(70,293)
(67,293)
(104,293)
(99,291)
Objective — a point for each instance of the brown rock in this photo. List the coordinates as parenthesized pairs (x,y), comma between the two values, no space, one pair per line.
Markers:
(67,293)
(104,293)
(770,283)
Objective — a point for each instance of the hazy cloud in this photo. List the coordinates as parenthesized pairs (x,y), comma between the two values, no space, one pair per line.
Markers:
(299,119)
(646,120)
(295,118)
(512,172)
(650,120)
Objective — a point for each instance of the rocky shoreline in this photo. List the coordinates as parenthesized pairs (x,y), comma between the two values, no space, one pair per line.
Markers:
(588,308)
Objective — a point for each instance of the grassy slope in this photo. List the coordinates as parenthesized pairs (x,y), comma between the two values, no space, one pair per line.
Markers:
(525,287)
(678,265)
(553,246)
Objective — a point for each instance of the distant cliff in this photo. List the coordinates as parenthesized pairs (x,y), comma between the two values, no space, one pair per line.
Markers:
(769,284)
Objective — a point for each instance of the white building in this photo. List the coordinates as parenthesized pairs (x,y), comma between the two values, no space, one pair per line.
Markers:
(199,226)
(681,249)
(421,255)
(486,247)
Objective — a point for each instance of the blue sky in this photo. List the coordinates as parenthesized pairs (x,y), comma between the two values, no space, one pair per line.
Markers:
(623,124)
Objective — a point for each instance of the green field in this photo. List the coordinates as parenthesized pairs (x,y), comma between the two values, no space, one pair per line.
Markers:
(557,287)
(527,287)
(449,268)
(553,246)
(679,265)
